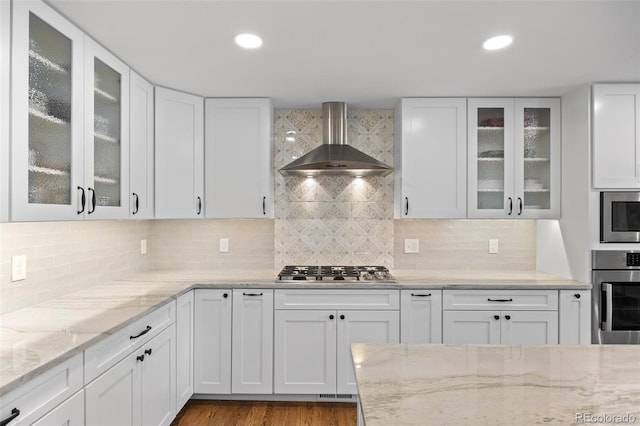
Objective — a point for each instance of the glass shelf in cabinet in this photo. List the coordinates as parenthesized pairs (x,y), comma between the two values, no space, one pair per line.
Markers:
(47,62)
(103,94)
(106,138)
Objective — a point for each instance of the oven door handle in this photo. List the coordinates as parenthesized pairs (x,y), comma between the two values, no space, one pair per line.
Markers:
(607,289)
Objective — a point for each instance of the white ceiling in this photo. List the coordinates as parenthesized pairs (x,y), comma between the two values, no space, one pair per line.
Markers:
(367,53)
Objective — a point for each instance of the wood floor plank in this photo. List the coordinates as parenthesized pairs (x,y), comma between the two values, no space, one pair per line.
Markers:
(266,413)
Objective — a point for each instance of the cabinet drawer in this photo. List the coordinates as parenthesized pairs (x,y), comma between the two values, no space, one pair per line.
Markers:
(103,355)
(337,299)
(500,299)
(42,394)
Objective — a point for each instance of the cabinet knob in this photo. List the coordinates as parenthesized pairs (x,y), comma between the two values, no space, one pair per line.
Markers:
(507,317)
(140,358)
(341,316)
(577,296)
(496,317)
(148,351)
(225,295)
(331,317)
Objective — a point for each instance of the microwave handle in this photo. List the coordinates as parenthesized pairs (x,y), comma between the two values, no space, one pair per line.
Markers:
(607,291)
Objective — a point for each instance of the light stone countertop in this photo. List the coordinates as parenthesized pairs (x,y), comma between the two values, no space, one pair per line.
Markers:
(37,338)
(497,384)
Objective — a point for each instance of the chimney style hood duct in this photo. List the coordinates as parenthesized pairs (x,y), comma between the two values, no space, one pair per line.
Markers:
(335,156)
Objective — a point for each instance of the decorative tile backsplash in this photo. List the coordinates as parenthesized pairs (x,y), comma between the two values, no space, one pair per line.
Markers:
(333,219)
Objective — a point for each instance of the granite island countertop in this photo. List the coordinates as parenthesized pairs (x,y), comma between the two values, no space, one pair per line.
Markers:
(40,336)
(497,384)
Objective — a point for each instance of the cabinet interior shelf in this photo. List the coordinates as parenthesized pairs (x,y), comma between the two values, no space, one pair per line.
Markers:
(490,128)
(537,160)
(47,62)
(43,116)
(490,159)
(105,95)
(105,180)
(490,190)
(542,128)
(537,190)
(106,138)
(47,171)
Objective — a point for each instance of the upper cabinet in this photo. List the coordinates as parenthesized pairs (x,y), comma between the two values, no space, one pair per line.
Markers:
(141,140)
(179,162)
(238,158)
(5,48)
(514,158)
(69,149)
(616,136)
(430,158)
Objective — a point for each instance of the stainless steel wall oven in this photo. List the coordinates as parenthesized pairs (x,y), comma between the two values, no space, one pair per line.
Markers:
(616,297)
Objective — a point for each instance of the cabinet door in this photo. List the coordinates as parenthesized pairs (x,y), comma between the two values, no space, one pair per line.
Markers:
(252,341)
(239,172)
(69,413)
(471,327)
(421,316)
(47,115)
(490,143)
(114,397)
(212,341)
(141,141)
(537,158)
(616,136)
(361,327)
(179,163)
(106,133)
(431,158)
(305,352)
(5,106)
(575,317)
(529,327)
(185,312)
(158,379)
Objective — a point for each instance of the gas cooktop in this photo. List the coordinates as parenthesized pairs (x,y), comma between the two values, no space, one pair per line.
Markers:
(336,273)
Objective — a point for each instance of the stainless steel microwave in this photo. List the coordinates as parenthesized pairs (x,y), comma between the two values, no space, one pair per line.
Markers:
(620,217)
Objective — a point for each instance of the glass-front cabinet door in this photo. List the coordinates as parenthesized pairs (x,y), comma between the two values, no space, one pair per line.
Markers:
(106,133)
(47,115)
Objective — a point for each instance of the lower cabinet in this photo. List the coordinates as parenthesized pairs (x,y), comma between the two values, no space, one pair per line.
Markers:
(312,344)
(184,348)
(421,316)
(575,317)
(139,390)
(69,413)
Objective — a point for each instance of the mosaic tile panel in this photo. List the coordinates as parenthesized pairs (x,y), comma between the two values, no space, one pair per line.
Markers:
(333,219)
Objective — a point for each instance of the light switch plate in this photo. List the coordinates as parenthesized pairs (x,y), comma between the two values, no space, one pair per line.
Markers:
(18,268)
(411,245)
(224,245)
(493,246)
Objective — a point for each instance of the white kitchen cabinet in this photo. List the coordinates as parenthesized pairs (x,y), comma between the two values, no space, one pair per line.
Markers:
(139,390)
(185,314)
(141,141)
(252,341)
(5,106)
(69,413)
(430,172)
(212,341)
(514,158)
(313,332)
(45,394)
(421,316)
(616,136)
(239,158)
(471,327)
(575,317)
(179,155)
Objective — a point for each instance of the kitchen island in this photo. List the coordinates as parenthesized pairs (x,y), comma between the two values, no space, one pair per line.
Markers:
(497,384)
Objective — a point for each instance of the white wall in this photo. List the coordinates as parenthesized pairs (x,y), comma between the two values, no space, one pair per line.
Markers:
(564,246)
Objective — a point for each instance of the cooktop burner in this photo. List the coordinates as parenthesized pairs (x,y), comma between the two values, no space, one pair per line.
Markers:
(335,273)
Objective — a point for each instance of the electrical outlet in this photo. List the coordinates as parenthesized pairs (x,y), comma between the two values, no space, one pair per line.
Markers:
(493,246)
(143,246)
(411,245)
(18,268)
(224,245)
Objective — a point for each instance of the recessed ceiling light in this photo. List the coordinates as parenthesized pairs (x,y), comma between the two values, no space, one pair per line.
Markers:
(497,42)
(248,41)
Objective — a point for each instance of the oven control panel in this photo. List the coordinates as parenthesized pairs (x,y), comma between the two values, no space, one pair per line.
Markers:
(633,259)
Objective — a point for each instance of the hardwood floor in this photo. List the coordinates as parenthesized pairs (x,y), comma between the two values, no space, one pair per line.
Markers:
(267,413)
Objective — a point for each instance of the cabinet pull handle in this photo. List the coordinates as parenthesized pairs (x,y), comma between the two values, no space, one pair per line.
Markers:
(577,295)
(500,300)
(82,200)
(148,351)
(519,206)
(199,206)
(225,295)
(140,358)
(252,294)
(420,295)
(93,200)
(496,317)
(264,205)
(406,206)
(137,203)
(331,317)
(14,413)
(341,316)
(510,206)
(507,317)
(142,333)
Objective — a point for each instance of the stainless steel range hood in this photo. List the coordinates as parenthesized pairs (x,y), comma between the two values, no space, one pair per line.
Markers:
(335,156)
